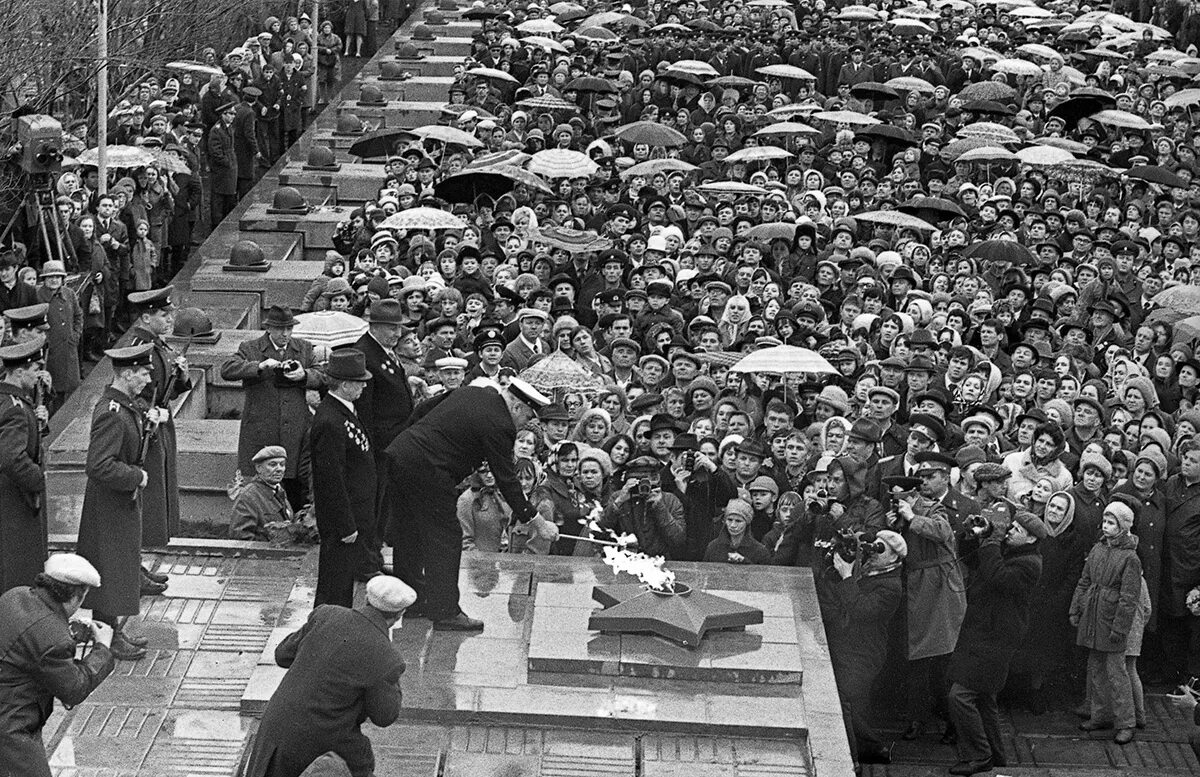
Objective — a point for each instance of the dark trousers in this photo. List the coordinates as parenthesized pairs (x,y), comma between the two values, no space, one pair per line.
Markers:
(976,719)
(926,682)
(1181,645)
(336,566)
(426,537)
(296,490)
(222,206)
(244,186)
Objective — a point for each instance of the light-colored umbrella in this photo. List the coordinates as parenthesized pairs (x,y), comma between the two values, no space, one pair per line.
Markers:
(540,27)
(170,163)
(562,163)
(598,34)
(447,135)
(199,68)
(910,27)
(575,241)
(492,73)
(772,231)
(786,71)
(857,13)
(604,18)
(1039,50)
(651,133)
(118,156)
(989,131)
(547,102)
(988,154)
(797,109)
(1041,156)
(695,67)
(331,328)
(910,84)
(510,156)
(788,128)
(652,166)
(423,218)
(895,218)
(783,360)
(1123,119)
(542,42)
(559,372)
(1017,67)
(1031,12)
(1066,144)
(730,187)
(1183,98)
(758,154)
(1184,299)
(1165,55)
(987,90)
(853,118)
(1105,54)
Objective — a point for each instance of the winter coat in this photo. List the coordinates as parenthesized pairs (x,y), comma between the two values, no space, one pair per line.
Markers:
(1149,524)
(858,612)
(65,317)
(1048,639)
(1107,595)
(657,523)
(22,490)
(1181,571)
(143,260)
(484,518)
(256,505)
(754,552)
(1003,582)
(1025,474)
(936,592)
(222,160)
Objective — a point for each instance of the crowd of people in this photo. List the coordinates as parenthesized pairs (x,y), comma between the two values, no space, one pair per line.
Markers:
(980,225)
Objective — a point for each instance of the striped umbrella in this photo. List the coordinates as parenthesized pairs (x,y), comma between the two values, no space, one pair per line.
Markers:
(562,163)
(423,218)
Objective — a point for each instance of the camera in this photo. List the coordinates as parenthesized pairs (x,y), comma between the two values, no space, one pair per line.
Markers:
(40,137)
(689,460)
(81,632)
(291,365)
(819,503)
(849,543)
(978,526)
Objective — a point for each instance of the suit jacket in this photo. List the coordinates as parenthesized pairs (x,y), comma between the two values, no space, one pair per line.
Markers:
(118,248)
(386,401)
(343,475)
(341,671)
(517,354)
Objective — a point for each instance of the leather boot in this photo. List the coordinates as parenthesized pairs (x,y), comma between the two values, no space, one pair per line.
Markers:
(157,577)
(124,650)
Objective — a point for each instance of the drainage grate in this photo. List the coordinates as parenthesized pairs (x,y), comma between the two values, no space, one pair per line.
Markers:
(235,637)
(211,693)
(568,765)
(258,589)
(193,758)
(179,610)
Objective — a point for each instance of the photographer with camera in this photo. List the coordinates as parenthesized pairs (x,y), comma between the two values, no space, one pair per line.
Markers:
(640,507)
(702,488)
(1001,548)
(37,658)
(846,505)
(864,592)
(935,594)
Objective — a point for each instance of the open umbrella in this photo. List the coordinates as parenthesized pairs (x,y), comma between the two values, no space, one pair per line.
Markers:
(959,146)
(199,68)
(706,25)
(446,134)
(994,133)
(787,128)
(733,82)
(1017,67)
(932,208)
(492,181)
(604,18)
(652,166)
(730,187)
(509,157)
(1105,54)
(559,374)
(910,84)
(992,107)
(873,90)
(858,13)
(988,90)
(331,328)
(853,118)
(1182,299)
(1159,175)
(540,27)
(597,34)
(988,154)
(423,218)
(1002,250)
(895,218)
(1044,156)
(492,74)
(1165,55)
(786,71)
(758,154)
(547,102)
(772,231)
(1066,144)
(480,14)
(542,42)
(797,109)
(590,84)
(910,27)
(651,133)
(574,240)
(562,163)
(680,78)
(1183,98)
(169,162)
(670,27)
(784,359)
(1085,171)
(1039,50)
(695,67)
(888,132)
(1076,107)
(118,156)
(1123,119)
(379,143)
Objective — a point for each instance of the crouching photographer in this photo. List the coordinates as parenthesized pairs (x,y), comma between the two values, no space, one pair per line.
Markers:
(641,508)
(38,643)
(863,592)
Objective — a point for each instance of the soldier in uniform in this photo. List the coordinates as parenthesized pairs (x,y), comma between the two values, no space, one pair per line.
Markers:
(343,478)
(110,527)
(22,480)
(168,380)
(383,409)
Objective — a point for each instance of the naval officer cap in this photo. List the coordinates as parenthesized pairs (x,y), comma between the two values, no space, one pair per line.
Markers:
(528,394)
(71,569)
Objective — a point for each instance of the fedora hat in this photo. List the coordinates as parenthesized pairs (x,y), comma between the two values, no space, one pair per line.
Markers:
(279,317)
(347,364)
(386,311)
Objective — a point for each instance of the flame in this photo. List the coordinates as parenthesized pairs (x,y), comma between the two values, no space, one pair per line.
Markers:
(648,569)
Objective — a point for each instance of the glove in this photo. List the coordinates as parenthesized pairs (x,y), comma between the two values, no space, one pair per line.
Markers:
(543,529)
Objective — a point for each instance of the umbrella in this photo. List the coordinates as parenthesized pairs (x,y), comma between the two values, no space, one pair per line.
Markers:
(1085,171)
(1183,98)
(680,78)
(573,240)
(857,13)
(957,5)
(695,67)
(917,13)
(558,372)
(562,163)
(788,128)
(598,34)
(1159,175)
(604,18)
(447,135)
(540,27)
(874,90)
(910,84)
(895,218)
(768,3)
(1183,299)
(653,166)
(853,118)
(1031,12)
(704,24)
(988,90)
(509,157)
(423,218)
(730,187)
(1123,119)
(492,181)
(959,146)
(170,163)
(772,231)
(1189,65)
(1043,156)
(788,111)
(1165,55)
(331,328)
(118,156)
(988,154)
(782,359)
(379,143)
(1105,54)
(988,106)
(547,102)
(888,132)
(199,68)
(724,359)
(1165,71)
(651,133)
(573,15)
(910,27)
(1039,50)
(786,71)
(996,134)
(479,14)
(670,27)
(590,84)
(563,7)
(1017,67)
(1002,250)
(733,82)
(1074,108)
(492,73)
(758,154)
(541,41)
(932,208)
(1074,146)
(981,53)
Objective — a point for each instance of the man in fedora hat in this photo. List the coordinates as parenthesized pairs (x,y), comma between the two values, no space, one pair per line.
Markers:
(275,370)
(343,478)
(458,431)
(383,408)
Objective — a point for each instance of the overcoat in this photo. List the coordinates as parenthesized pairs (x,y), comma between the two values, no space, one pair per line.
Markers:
(1182,533)
(936,593)
(343,472)
(22,491)
(37,665)
(1150,526)
(272,413)
(1106,597)
(341,671)
(222,159)
(65,317)
(110,528)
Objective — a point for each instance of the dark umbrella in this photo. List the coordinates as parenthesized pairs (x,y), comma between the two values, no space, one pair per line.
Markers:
(733,82)
(1158,175)
(1082,104)
(873,90)
(889,132)
(476,14)
(590,84)
(494,182)
(571,16)
(379,143)
(988,106)
(1002,250)
(933,209)
(704,24)
(681,79)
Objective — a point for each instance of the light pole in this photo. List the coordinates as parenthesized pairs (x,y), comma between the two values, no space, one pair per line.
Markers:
(102,94)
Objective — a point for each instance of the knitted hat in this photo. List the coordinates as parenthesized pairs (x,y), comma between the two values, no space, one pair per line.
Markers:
(893,541)
(704,383)
(1155,459)
(1097,462)
(1065,412)
(1122,512)
(1145,388)
(836,398)
(739,507)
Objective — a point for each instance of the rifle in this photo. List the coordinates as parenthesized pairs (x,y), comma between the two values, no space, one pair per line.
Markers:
(150,428)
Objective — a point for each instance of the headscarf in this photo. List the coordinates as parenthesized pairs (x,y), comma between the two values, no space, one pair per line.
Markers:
(1055,530)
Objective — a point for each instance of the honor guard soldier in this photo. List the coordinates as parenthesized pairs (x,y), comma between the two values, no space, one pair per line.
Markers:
(110,527)
(168,379)
(22,480)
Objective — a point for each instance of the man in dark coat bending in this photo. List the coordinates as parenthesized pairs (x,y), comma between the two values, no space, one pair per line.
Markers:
(466,427)
(342,670)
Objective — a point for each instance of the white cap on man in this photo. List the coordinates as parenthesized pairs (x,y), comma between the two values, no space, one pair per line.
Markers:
(72,569)
(389,594)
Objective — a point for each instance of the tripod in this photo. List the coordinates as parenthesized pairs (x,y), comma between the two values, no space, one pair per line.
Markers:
(39,209)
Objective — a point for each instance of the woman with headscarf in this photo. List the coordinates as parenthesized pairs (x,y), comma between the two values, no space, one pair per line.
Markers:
(1104,608)
(558,498)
